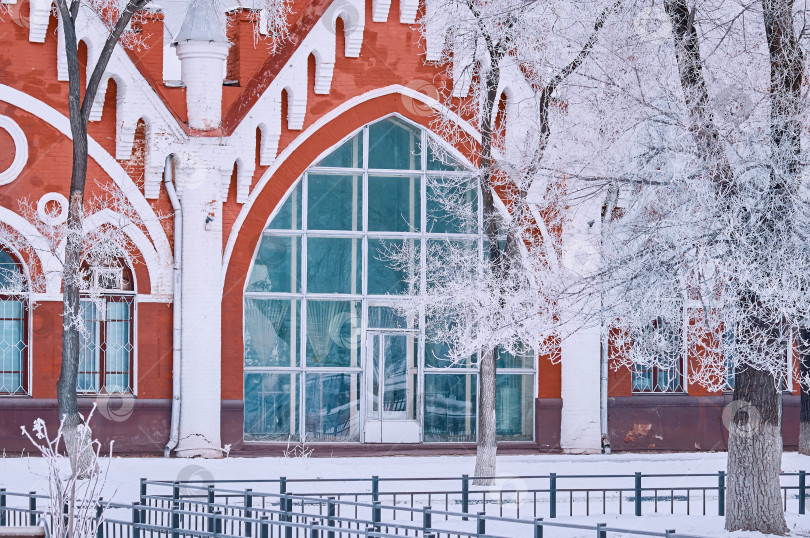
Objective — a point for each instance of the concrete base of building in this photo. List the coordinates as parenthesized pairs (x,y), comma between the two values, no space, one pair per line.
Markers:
(638,423)
(682,423)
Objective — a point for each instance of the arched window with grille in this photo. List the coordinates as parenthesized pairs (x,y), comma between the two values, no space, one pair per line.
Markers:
(13,326)
(328,357)
(106,339)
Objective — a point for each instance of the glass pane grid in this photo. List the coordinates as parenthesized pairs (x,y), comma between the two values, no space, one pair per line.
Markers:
(369,191)
(13,347)
(105,344)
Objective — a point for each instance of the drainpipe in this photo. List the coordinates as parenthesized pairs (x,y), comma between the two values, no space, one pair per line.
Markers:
(177,330)
(607,215)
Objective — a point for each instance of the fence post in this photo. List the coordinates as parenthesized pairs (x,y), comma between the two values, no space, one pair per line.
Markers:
(99,511)
(217,522)
(2,507)
(375,489)
(600,532)
(552,495)
(314,533)
(32,508)
(376,515)
(248,512)
(282,485)
(638,494)
(802,491)
(287,500)
(330,512)
(143,491)
(538,527)
(210,508)
(481,524)
(264,530)
(175,508)
(426,523)
(136,519)
(66,515)
(465,494)
(721,493)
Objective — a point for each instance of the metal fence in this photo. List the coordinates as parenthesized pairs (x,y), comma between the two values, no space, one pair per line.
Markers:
(201,514)
(534,496)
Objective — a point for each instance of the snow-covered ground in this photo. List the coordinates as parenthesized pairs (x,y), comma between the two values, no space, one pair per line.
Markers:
(122,485)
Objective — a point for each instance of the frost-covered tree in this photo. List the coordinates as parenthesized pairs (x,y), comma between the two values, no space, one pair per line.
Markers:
(492,304)
(706,250)
(117,17)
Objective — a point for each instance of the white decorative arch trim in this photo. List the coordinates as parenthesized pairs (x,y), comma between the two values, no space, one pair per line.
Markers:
(20,150)
(320,123)
(161,281)
(138,238)
(50,264)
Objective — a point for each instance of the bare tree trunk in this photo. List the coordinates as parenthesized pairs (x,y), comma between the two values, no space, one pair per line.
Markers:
(804,373)
(487,446)
(504,260)
(487,443)
(755,444)
(77,443)
(755,456)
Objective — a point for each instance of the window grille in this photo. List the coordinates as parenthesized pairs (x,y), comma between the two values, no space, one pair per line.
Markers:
(663,338)
(13,327)
(106,339)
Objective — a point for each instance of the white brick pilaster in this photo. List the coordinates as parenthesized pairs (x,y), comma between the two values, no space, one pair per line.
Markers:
(581,358)
(201,306)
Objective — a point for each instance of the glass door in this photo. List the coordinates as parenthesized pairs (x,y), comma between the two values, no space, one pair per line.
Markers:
(391,378)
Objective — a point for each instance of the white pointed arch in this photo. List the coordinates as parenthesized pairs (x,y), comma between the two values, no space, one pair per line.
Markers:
(410,93)
(160,277)
(108,164)
(50,264)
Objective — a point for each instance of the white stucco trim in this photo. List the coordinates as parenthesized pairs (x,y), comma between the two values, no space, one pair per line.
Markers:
(59,199)
(138,238)
(49,263)
(314,128)
(20,150)
(162,280)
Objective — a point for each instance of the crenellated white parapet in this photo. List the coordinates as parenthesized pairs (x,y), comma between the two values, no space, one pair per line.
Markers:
(244,175)
(379,10)
(324,67)
(407,11)
(520,107)
(61,56)
(136,100)
(463,66)
(38,18)
(435,25)
(354,21)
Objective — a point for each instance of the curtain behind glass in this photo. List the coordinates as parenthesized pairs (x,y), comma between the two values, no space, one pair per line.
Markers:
(89,347)
(118,346)
(271,332)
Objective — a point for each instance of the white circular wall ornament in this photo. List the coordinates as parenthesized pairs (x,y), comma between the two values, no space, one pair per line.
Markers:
(50,218)
(20,150)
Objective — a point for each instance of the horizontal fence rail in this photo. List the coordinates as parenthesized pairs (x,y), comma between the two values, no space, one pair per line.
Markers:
(208,512)
(535,496)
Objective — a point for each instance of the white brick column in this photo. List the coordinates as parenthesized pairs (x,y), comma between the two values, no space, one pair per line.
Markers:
(201,377)
(202,71)
(581,358)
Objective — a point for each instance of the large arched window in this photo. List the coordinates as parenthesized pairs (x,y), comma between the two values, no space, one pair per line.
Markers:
(106,341)
(327,357)
(13,326)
